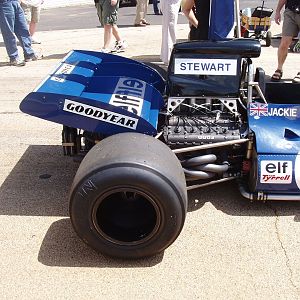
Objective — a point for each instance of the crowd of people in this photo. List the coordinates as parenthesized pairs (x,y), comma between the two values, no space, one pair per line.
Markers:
(19,19)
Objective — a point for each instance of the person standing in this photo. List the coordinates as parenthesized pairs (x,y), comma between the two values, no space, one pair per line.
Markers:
(290,29)
(141,12)
(197,13)
(32,10)
(13,26)
(170,9)
(156,9)
(107,11)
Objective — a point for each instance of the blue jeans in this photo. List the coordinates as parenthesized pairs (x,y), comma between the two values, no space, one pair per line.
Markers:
(155,7)
(12,22)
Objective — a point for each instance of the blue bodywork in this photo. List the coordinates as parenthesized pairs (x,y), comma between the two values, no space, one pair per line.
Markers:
(113,93)
(109,94)
(277,134)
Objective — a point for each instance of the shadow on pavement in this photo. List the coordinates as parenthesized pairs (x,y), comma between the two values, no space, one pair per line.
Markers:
(61,247)
(4,64)
(146,58)
(55,56)
(39,183)
(227,198)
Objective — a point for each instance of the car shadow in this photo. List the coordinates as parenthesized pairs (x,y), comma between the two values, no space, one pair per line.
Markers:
(62,247)
(227,198)
(55,56)
(39,183)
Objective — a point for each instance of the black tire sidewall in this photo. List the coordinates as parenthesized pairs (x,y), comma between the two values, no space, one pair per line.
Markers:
(165,194)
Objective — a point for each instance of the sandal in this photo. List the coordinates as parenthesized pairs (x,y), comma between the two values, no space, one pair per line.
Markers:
(277,75)
(297,78)
(145,22)
(141,24)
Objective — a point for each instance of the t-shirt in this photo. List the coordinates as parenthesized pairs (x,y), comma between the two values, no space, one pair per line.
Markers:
(292,4)
(32,2)
(202,11)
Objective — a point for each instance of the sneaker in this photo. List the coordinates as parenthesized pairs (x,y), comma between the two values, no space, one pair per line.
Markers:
(297,78)
(33,57)
(17,62)
(105,50)
(296,47)
(35,41)
(120,46)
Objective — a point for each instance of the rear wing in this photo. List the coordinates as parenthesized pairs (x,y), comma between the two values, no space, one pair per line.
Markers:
(99,92)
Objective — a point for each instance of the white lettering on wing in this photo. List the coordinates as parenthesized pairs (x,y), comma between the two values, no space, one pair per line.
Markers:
(64,69)
(129,94)
(100,114)
(197,66)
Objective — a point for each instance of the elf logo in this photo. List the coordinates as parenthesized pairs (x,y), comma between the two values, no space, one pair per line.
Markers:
(129,94)
(272,171)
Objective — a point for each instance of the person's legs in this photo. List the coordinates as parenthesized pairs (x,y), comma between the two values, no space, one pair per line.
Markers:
(107,28)
(138,12)
(115,32)
(145,4)
(108,16)
(107,36)
(21,31)
(290,29)
(155,7)
(173,21)
(120,45)
(141,12)
(32,28)
(35,18)
(7,25)
(32,15)
(165,39)
(170,17)
(283,50)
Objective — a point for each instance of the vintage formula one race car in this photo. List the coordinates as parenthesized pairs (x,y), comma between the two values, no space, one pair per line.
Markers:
(147,140)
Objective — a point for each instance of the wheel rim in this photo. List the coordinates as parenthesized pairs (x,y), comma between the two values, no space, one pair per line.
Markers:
(126,216)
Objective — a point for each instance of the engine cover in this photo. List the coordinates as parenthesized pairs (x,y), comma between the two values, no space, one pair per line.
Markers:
(199,130)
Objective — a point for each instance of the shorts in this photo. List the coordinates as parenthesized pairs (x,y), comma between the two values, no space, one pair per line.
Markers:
(291,23)
(32,13)
(107,14)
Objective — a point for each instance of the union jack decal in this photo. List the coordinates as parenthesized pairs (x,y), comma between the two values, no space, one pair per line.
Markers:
(258,109)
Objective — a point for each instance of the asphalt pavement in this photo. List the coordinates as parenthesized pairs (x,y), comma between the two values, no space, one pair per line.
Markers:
(84,16)
(229,248)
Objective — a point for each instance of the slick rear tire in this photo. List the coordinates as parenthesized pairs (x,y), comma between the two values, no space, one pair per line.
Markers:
(129,197)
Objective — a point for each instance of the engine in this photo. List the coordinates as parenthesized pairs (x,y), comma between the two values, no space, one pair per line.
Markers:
(205,133)
(201,121)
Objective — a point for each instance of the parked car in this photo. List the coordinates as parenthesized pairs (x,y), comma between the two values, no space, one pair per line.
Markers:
(147,139)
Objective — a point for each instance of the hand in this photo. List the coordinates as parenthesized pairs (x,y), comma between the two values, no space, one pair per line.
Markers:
(277,18)
(113,2)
